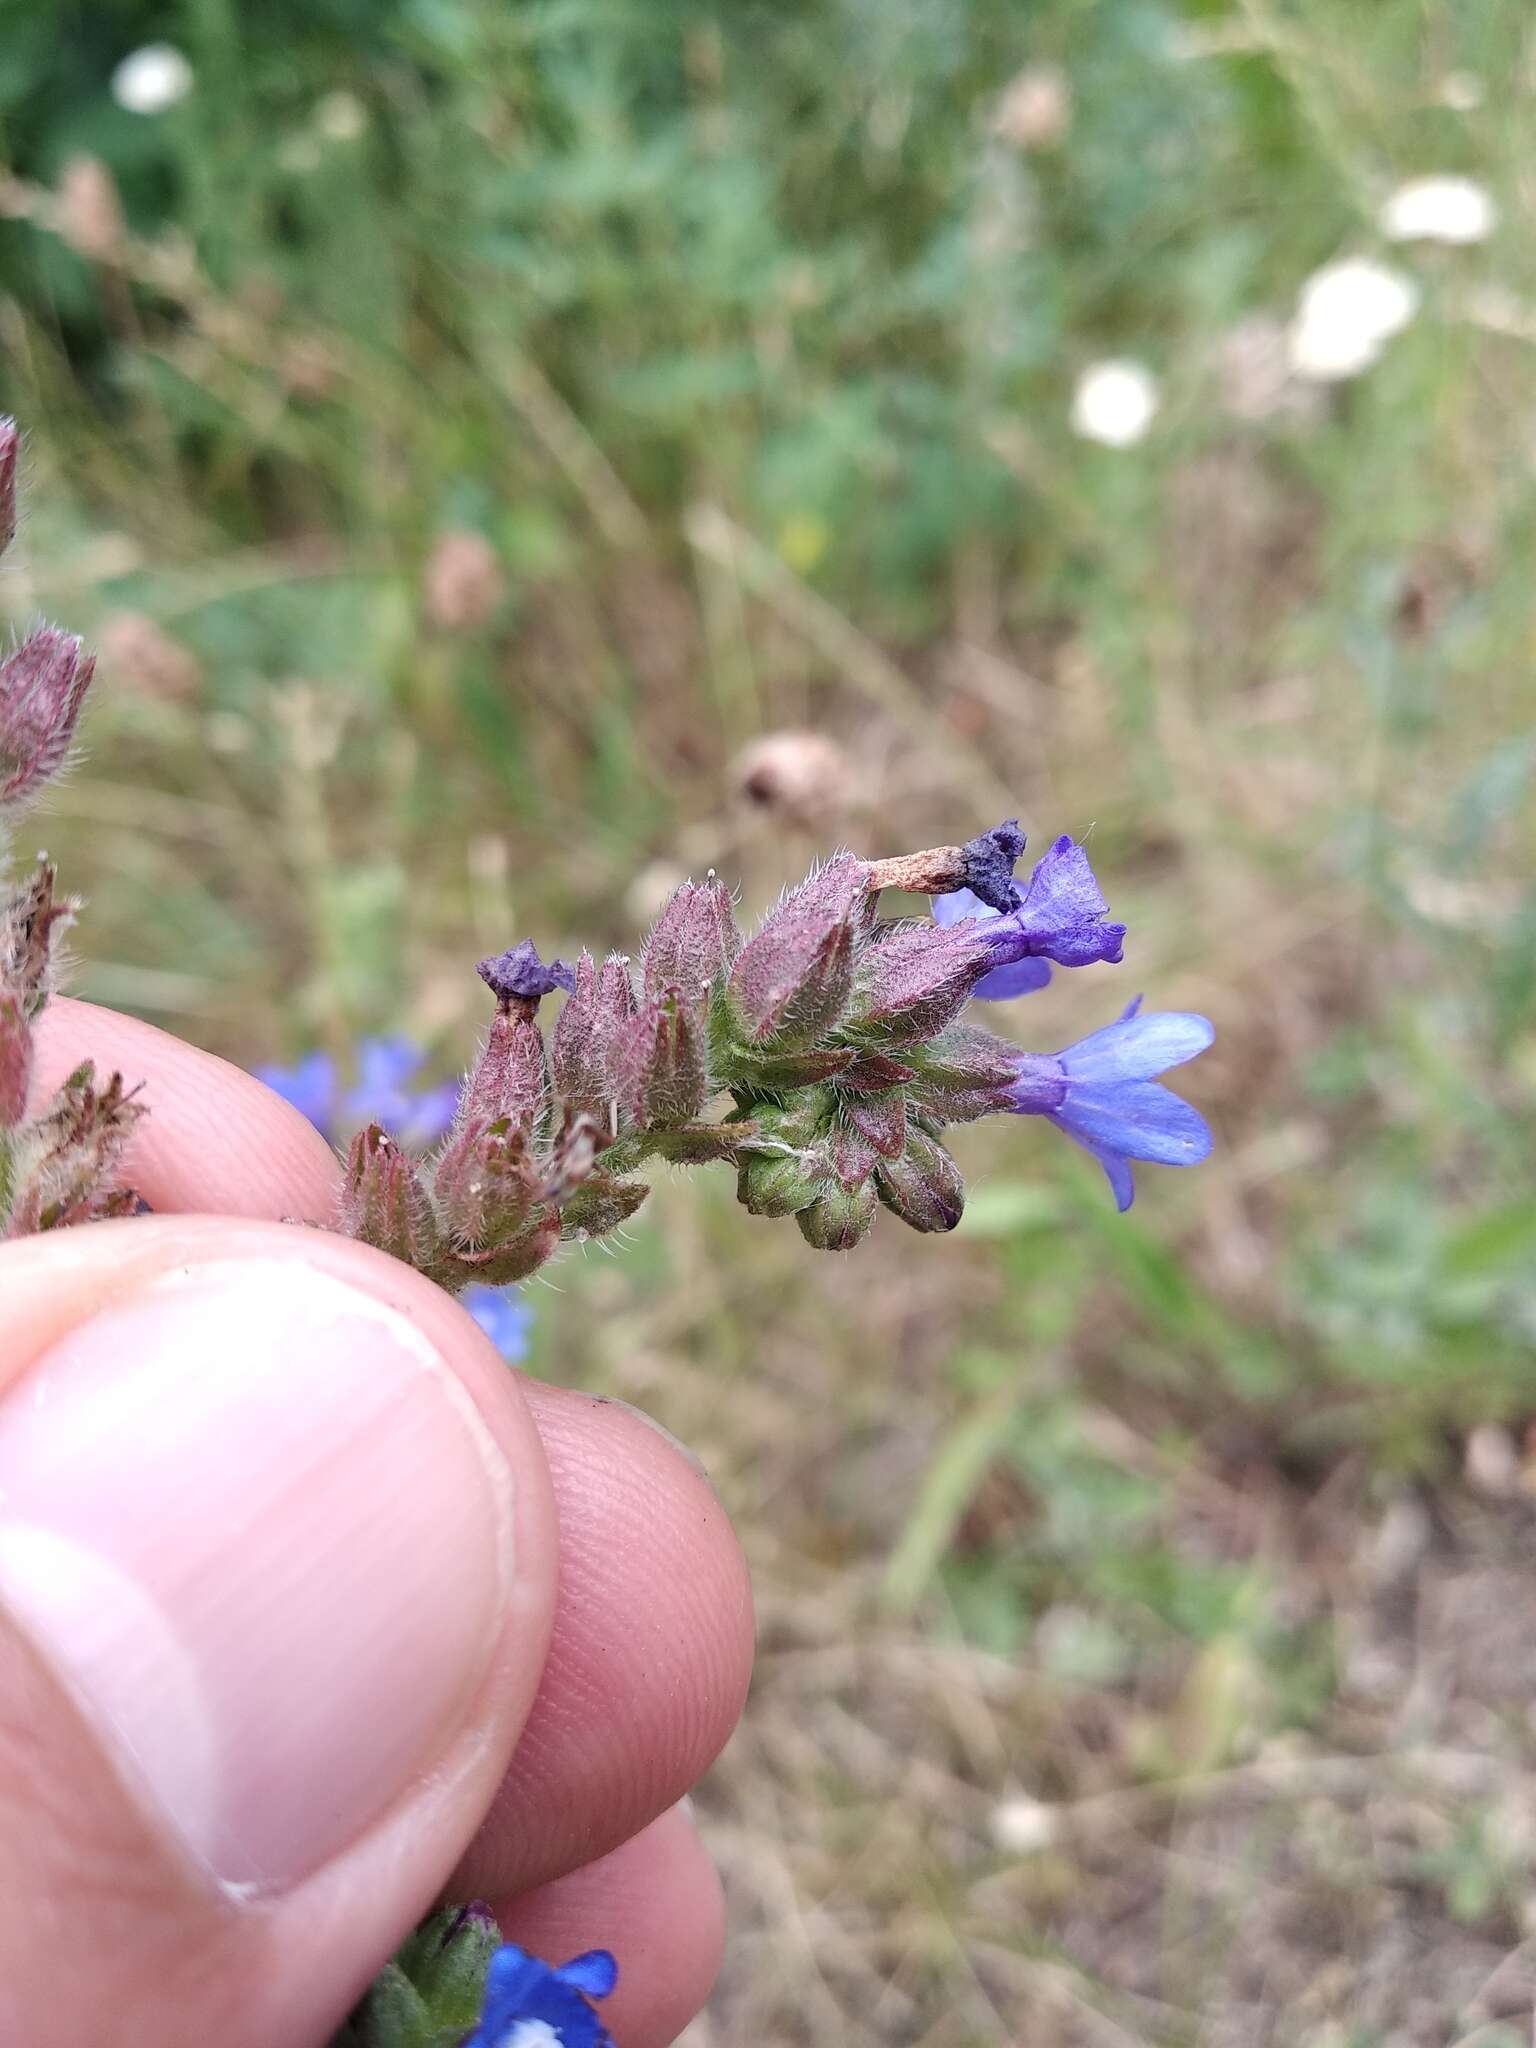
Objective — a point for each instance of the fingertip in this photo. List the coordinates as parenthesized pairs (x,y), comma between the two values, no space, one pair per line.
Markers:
(651,1654)
(216,1139)
(655,1902)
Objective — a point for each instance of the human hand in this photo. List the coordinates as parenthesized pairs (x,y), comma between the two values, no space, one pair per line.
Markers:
(311,1610)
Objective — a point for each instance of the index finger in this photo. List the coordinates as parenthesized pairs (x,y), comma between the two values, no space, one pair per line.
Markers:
(216,1141)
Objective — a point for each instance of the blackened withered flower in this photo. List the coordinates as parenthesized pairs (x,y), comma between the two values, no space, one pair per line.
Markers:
(988,864)
(1060,916)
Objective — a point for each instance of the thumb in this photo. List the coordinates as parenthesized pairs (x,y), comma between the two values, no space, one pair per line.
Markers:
(277,1560)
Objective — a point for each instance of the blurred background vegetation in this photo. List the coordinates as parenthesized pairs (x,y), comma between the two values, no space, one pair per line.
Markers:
(513,452)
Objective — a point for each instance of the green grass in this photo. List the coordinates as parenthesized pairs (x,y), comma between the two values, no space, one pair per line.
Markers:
(749,345)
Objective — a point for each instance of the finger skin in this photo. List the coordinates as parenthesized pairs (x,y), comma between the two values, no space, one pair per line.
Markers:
(652,1648)
(651,1655)
(655,1903)
(216,1140)
(103,1914)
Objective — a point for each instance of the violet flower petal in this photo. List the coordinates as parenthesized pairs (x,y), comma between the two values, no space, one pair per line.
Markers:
(1138,1047)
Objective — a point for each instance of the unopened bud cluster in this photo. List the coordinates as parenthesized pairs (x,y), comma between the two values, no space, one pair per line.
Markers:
(59,1162)
(822,1057)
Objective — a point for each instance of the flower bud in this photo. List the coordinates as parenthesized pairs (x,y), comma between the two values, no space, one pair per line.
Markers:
(383,1203)
(692,941)
(447,1958)
(658,1063)
(799,1121)
(64,1168)
(790,984)
(780,1183)
(577,1074)
(42,686)
(510,1079)
(32,920)
(15,1061)
(838,1219)
(963,1074)
(615,994)
(485,1183)
(923,1187)
(914,980)
(433,1988)
(10,448)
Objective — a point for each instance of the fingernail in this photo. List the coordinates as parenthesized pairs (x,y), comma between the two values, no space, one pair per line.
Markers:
(257,1526)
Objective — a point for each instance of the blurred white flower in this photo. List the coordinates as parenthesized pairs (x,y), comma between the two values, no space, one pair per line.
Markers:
(301,153)
(341,117)
(1462,92)
(1439,210)
(1346,314)
(1023,1826)
(1035,109)
(1114,403)
(152,79)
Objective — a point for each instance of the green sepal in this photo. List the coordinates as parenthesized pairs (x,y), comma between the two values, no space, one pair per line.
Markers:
(781,1184)
(599,1205)
(431,1994)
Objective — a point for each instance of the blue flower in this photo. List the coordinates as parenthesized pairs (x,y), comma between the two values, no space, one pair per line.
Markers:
(1019,977)
(503,1315)
(384,1066)
(529,2005)
(1059,916)
(309,1084)
(1103,1092)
